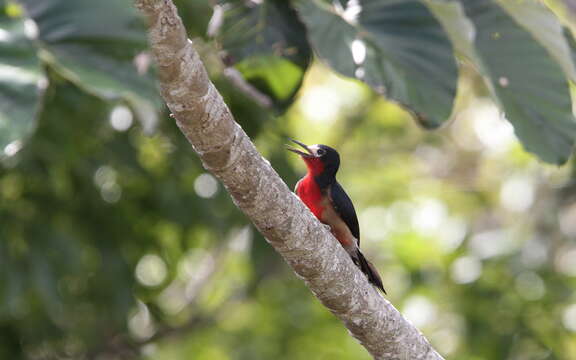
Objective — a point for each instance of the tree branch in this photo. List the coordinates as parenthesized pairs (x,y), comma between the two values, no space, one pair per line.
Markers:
(307,246)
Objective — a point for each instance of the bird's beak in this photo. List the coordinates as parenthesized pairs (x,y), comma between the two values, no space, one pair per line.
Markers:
(307,154)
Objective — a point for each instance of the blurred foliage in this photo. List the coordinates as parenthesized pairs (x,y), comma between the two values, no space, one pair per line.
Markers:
(267,42)
(116,244)
(376,43)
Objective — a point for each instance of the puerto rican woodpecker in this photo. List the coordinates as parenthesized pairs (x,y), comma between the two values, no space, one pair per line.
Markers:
(328,201)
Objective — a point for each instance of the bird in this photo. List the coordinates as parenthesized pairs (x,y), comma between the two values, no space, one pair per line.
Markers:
(324,196)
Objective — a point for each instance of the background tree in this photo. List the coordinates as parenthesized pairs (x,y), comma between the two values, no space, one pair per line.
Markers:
(114,241)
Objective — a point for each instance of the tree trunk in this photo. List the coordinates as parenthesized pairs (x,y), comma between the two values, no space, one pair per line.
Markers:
(306,245)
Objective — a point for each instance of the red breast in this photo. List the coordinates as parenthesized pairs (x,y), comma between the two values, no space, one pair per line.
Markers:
(310,193)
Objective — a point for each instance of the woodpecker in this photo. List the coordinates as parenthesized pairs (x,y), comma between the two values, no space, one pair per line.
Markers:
(328,201)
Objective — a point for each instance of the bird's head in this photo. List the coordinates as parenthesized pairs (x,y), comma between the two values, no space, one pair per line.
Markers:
(320,159)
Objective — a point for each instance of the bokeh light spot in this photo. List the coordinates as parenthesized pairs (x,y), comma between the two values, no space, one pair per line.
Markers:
(241,239)
(569,318)
(530,286)
(466,269)
(565,261)
(4,35)
(429,215)
(140,323)
(352,11)
(121,118)
(492,243)
(13,148)
(321,104)
(445,340)
(493,131)
(30,29)
(517,193)
(534,253)
(105,174)
(452,233)
(105,178)
(151,270)
(419,310)
(206,186)
(172,300)
(111,193)
(358,51)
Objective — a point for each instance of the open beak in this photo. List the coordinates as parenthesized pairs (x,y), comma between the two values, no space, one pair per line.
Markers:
(307,154)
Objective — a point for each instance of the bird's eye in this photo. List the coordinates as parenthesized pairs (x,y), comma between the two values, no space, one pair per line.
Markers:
(320,152)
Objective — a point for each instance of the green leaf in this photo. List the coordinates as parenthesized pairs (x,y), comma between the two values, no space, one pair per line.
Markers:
(458,27)
(545,27)
(263,72)
(527,81)
(260,38)
(96,47)
(397,47)
(20,84)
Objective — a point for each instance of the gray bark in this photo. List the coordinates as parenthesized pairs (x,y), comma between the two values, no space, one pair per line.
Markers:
(306,245)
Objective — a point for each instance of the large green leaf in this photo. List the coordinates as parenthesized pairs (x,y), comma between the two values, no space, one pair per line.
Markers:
(545,27)
(396,46)
(532,15)
(268,44)
(527,81)
(94,44)
(20,83)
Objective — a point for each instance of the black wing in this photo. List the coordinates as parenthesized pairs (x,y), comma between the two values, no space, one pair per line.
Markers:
(344,207)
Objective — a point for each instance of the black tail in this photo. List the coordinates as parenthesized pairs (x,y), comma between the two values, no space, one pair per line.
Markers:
(370,271)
